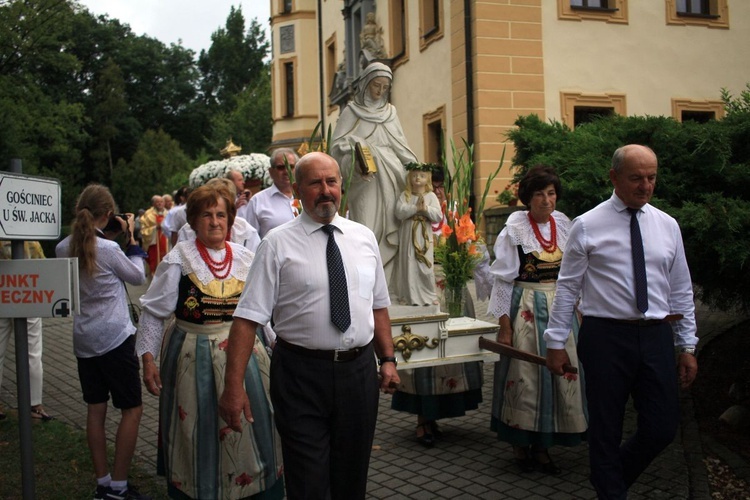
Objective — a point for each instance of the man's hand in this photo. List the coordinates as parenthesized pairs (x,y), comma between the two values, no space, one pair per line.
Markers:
(233,402)
(232,405)
(389,379)
(687,369)
(242,200)
(556,358)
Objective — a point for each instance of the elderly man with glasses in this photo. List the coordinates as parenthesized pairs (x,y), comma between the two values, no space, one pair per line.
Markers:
(274,205)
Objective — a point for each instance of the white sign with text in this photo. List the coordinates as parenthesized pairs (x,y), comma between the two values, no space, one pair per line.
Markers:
(39,288)
(30,207)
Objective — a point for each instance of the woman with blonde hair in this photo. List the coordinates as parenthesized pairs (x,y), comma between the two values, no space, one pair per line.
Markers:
(104,335)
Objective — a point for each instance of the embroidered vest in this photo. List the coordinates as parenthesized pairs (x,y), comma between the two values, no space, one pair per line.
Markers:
(207,304)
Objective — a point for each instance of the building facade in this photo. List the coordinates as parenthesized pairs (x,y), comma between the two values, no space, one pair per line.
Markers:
(466,69)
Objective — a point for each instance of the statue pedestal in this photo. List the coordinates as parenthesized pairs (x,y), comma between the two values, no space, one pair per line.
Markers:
(425,336)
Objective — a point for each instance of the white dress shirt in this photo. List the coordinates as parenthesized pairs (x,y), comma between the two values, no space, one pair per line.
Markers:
(289,280)
(598,263)
(104,322)
(175,219)
(241,233)
(268,209)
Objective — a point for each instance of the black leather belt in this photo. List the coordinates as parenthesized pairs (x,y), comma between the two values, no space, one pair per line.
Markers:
(335,355)
(640,322)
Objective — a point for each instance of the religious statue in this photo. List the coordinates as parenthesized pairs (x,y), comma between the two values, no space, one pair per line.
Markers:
(417,208)
(371,38)
(370,125)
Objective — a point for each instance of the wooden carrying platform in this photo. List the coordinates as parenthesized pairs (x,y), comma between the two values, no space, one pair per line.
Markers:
(424,336)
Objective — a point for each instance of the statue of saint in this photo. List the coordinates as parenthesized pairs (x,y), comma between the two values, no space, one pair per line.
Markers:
(371,38)
(370,124)
(417,208)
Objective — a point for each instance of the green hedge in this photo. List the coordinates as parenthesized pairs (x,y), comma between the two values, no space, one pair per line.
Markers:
(703,181)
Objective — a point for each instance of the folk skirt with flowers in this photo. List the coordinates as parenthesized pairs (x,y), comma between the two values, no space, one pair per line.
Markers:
(203,458)
(530,406)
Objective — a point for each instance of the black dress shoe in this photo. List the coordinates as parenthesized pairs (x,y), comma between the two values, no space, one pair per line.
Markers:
(426,439)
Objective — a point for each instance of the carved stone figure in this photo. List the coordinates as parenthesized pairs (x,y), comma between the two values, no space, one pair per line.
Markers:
(417,208)
(371,121)
(371,38)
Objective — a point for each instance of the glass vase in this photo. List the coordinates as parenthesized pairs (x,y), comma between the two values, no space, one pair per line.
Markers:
(454,301)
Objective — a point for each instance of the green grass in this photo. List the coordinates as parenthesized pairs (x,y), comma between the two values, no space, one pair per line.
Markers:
(62,464)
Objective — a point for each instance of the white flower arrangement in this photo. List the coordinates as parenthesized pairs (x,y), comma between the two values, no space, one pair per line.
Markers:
(252,166)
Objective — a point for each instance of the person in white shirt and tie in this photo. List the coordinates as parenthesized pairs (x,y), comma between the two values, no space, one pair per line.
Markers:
(628,342)
(273,206)
(324,382)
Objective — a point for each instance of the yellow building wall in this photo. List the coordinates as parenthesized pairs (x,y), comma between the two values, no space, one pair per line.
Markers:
(524,56)
(305,59)
(422,84)
(647,60)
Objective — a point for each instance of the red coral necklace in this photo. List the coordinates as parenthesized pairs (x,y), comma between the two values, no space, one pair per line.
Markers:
(220,269)
(549,245)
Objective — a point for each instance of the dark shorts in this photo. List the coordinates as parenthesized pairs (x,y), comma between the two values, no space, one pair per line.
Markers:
(116,372)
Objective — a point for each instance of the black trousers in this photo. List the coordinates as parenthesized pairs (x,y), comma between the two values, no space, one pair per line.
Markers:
(620,361)
(325,413)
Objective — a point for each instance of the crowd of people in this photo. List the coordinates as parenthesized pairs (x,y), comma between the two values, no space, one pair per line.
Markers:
(266,336)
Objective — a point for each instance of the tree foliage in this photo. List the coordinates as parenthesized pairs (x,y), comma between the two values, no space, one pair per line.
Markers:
(156,165)
(703,181)
(84,99)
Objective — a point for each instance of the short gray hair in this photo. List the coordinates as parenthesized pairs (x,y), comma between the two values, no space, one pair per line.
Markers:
(283,152)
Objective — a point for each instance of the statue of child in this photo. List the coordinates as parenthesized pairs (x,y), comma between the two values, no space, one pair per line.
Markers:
(417,208)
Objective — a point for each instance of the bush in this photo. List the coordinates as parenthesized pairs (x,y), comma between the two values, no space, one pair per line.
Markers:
(703,181)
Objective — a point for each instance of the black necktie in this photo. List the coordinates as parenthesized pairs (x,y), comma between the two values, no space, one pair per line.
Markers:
(339,293)
(639,262)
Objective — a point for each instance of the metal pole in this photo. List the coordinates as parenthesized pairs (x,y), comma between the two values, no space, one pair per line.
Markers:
(20,328)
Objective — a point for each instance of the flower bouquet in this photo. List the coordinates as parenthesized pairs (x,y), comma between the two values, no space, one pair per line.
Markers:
(458,249)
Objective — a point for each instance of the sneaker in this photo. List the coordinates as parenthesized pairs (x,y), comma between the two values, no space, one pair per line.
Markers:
(100,493)
(129,494)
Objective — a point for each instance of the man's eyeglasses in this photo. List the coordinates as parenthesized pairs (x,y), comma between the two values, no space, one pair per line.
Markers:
(282,167)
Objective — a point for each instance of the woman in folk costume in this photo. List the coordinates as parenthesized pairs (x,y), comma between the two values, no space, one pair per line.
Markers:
(532,409)
(200,282)
(371,121)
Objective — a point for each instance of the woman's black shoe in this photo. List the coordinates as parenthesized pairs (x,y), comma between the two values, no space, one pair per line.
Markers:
(544,463)
(526,464)
(426,439)
(523,459)
(434,427)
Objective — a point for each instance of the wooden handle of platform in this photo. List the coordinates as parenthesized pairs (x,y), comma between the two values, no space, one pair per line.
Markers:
(512,352)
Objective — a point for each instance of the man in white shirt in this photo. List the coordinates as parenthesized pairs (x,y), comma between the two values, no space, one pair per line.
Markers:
(627,346)
(242,195)
(273,206)
(324,383)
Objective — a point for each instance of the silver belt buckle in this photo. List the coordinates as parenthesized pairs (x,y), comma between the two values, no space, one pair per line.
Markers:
(336,354)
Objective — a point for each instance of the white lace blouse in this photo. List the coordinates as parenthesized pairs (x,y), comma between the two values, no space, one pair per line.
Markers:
(160,300)
(504,269)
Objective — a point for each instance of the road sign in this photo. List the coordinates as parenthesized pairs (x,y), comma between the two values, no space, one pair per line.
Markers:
(39,288)
(30,207)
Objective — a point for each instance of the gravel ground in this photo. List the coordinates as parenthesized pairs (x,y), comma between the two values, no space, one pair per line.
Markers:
(725,485)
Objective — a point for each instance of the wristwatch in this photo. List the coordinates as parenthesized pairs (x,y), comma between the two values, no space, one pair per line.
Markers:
(387,359)
(687,349)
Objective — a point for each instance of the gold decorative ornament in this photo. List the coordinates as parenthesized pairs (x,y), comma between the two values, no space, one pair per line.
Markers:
(231,149)
(408,342)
